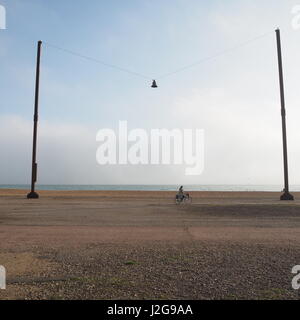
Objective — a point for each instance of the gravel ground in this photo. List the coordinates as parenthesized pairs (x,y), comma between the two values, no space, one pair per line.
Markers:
(102,246)
(190,270)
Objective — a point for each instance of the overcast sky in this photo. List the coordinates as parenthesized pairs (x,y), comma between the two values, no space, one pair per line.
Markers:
(233,98)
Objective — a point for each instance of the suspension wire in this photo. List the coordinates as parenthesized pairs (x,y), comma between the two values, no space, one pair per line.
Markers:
(98,61)
(214,56)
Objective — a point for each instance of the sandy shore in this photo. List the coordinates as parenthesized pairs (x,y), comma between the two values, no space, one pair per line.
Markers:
(140,245)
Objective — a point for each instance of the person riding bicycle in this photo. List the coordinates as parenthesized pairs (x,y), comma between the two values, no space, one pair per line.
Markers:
(182,196)
(180,193)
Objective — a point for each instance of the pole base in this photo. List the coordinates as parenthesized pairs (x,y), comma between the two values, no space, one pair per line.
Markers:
(287,196)
(32,195)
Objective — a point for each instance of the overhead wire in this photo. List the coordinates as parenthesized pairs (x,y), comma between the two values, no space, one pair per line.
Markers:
(98,61)
(214,56)
(194,64)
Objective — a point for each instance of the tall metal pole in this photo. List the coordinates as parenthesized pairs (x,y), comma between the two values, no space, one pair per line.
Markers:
(286,195)
(33,194)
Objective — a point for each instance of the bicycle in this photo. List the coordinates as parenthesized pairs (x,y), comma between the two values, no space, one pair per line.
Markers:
(183,198)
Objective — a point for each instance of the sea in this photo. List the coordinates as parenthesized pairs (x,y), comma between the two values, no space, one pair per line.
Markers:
(249,188)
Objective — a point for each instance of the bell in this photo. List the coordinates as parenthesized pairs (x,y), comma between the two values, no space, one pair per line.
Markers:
(154,85)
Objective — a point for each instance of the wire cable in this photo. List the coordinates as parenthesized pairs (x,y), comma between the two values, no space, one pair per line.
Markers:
(167,74)
(98,61)
(214,56)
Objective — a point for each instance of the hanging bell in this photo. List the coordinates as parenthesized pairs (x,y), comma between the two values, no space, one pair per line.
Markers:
(154,85)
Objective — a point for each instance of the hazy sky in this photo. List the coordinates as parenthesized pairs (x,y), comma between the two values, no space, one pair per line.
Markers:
(234,98)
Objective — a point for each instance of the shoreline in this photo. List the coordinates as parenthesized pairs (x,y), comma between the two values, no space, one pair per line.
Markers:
(195,192)
(154,187)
